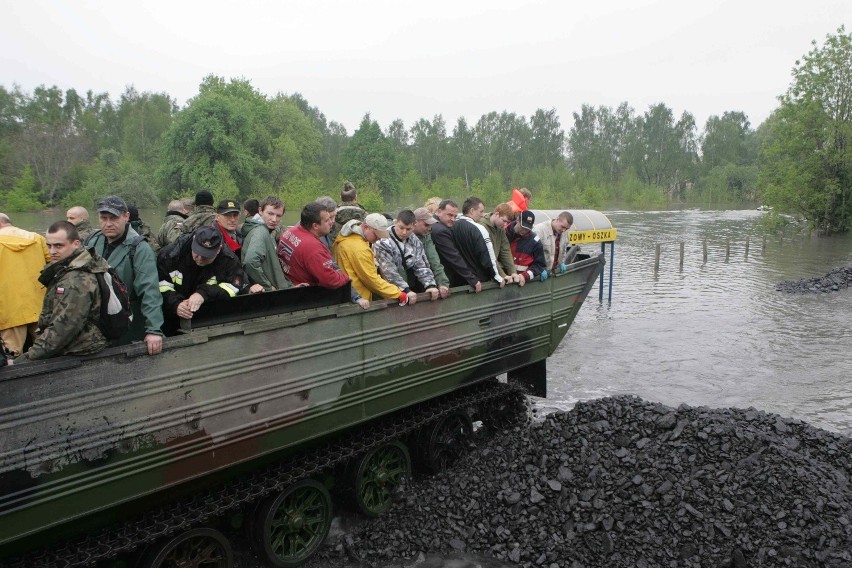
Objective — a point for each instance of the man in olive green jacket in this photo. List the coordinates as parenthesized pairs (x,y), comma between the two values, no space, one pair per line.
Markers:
(496,226)
(68,323)
(133,260)
(259,250)
(423,221)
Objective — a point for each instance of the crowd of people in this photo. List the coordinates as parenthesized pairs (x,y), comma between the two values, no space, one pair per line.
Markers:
(50,301)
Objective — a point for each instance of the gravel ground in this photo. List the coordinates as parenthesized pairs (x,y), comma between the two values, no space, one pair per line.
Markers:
(838,279)
(625,482)
(622,482)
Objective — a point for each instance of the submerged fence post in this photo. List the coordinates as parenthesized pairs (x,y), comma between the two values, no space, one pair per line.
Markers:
(681,255)
(704,248)
(764,244)
(747,243)
(657,258)
(727,249)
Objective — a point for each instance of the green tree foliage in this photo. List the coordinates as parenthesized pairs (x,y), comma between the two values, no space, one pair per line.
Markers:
(144,119)
(806,155)
(430,148)
(666,150)
(22,195)
(219,138)
(369,159)
(241,143)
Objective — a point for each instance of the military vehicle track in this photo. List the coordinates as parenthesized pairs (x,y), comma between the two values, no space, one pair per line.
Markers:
(184,514)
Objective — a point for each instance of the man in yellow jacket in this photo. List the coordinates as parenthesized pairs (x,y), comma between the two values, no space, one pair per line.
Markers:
(352,253)
(22,256)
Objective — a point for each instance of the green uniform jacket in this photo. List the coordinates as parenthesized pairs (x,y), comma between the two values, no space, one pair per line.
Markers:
(142,283)
(143,229)
(434,260)
(345,213)
(203,215)
(170,230)
(71,308)
(501,246)
(85,230)
(259,257)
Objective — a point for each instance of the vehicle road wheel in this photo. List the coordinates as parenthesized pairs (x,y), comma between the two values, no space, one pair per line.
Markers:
(291,526)
(196,548)
(377,475)
(443,443)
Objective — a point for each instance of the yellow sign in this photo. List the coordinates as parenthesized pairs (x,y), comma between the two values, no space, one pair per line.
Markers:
(593,236)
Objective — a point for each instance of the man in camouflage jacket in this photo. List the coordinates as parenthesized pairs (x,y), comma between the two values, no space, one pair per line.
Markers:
(172,226)
(401,259)
(204,212)
(71,311)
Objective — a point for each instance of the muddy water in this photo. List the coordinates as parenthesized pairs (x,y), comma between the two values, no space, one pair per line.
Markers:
(714,333)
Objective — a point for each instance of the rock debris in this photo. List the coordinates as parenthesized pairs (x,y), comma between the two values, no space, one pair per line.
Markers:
(625,482)
(838,279)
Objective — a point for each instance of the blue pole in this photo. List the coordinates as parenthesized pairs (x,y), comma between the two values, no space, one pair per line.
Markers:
(601,286)
(611,267)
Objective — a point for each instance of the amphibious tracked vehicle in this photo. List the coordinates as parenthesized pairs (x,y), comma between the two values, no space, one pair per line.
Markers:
(253,413)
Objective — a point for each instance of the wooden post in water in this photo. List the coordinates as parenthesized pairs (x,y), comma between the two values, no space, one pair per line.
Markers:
(747,243)
(764,244)
(727,249)
(681,255)
(657,258)
(705,251)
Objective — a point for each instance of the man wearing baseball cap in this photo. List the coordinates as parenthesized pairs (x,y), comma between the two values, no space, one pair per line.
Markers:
(423,221)
(227,219)
(198,268)
(132,258)
(354,256)
(527,251)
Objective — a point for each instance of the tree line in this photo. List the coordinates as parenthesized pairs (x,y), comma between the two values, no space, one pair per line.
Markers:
(62,148)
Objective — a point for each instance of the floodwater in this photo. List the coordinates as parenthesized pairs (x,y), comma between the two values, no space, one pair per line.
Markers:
(716,333)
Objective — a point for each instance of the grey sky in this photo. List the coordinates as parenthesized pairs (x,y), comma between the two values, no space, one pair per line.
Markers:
(398,59)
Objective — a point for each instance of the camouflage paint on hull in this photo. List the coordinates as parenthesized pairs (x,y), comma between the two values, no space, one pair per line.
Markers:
(78,437)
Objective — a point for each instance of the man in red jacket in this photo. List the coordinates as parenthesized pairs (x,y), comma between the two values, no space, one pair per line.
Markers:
(303,257)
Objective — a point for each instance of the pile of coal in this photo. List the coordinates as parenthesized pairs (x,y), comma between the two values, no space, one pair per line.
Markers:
(625,482)
(838,279)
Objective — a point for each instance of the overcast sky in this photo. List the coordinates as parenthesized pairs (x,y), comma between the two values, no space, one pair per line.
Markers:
(411,60)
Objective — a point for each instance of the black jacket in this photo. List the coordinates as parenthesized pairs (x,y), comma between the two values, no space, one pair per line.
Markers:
(180,276)
(473,248)
(454,264)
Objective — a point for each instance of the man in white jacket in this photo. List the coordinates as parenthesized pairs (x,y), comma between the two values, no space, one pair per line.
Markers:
(555,241)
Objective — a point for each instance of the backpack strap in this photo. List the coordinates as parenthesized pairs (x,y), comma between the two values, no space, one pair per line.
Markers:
(136,240)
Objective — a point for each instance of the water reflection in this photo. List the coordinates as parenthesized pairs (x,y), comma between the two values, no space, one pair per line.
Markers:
(714,334)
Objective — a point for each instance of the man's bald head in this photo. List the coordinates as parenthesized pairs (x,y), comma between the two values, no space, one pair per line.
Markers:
(77,215)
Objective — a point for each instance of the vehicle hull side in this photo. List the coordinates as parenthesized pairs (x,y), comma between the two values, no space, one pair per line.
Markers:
(113,429)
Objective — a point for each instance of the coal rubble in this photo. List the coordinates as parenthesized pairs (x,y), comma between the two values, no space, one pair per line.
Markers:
(838,279)
(625,482)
